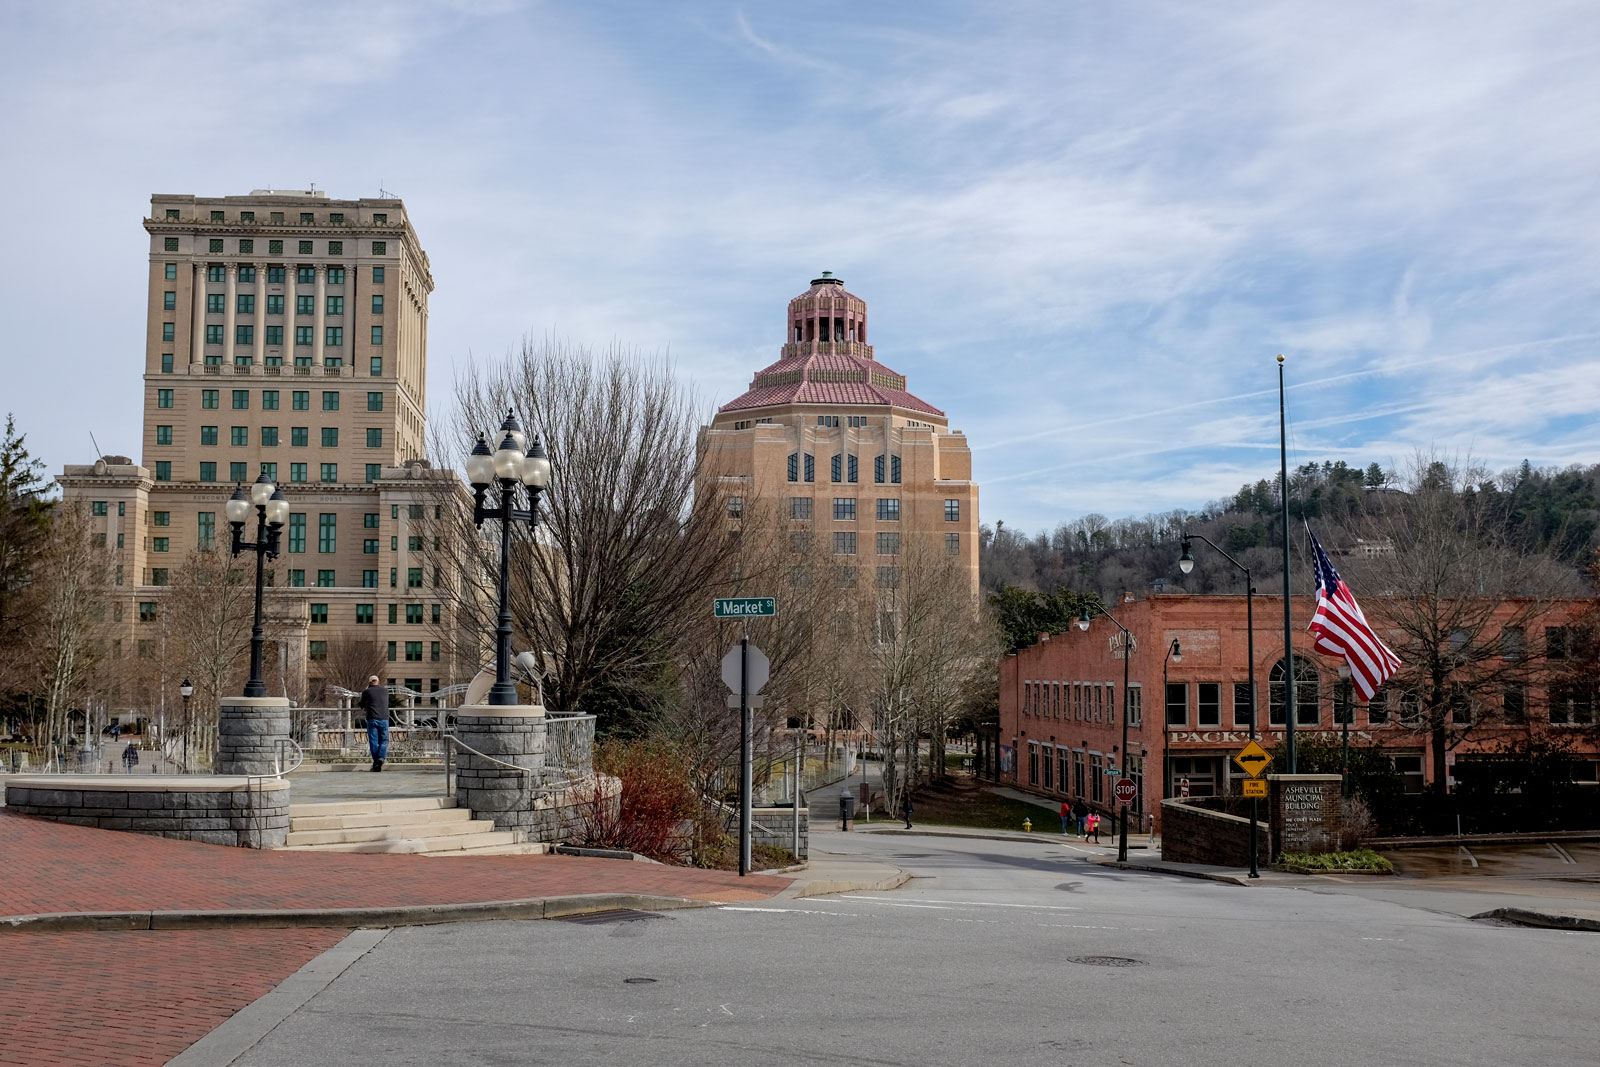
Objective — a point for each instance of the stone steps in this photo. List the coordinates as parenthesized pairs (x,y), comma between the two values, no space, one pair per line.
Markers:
(432,826)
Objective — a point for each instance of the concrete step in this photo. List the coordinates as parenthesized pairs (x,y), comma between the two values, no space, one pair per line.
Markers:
(437,816)
(420,845)
(524,848)
(465,826)
(370,807)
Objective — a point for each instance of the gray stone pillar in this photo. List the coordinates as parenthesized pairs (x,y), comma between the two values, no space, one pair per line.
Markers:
(509,735)
(248,730)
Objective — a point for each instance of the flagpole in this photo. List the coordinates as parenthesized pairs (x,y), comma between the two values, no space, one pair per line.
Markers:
(1288,622)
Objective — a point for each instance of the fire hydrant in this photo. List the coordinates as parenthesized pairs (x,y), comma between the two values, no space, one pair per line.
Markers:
(1027,826)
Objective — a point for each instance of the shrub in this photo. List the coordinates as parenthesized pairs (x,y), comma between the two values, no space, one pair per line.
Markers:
(1361,859)
(1357,824)
(652,809)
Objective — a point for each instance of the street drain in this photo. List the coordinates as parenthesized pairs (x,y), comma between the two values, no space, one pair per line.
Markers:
(638,981)
(614,915)
(1105,961)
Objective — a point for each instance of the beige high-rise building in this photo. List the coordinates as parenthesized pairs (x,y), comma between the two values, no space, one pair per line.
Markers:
(287,333)
(837,441)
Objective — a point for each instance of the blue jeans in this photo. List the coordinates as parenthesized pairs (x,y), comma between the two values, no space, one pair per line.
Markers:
(378,737)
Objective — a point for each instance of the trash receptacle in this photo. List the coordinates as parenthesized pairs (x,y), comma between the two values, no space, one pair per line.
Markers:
(847,808)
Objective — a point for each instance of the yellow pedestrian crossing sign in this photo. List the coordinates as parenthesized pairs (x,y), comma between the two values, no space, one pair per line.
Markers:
(1253,758)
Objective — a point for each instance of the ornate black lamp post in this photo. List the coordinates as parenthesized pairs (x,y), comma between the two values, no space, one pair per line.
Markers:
(186,690)
(272,511)
(514,462)
(1186,564)
(1127,653)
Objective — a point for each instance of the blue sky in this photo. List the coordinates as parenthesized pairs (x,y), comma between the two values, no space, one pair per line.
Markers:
(1083,229)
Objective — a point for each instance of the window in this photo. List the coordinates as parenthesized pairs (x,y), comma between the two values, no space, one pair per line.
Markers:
(1177,704)
(297,579)
(377,335)
(333,336)
(1571,705)
(241,400)
(163,398)
(377,272)
(330,472)
(413,651)
(316,650)
(888,577)
(303,336)
(213,335)
(1555,642)
(844,543)
(1135,698)
(325,579)
(297,472)
(304,246)
(163,470)
(163,435)
(305,305)
(888,544)
(99,507)
(166,363)
(209,398)
(158,544)
(158,576)
(214,244)
(149,610)
(1241,704)
(305,276)
(413,577)
(369,579)
(877,469)
(894,469)
(794,466)
(169,301)
(270,470)
(375,401)
(216,274)
(216,216)
(161,518)
(246,304)
(327,532)
(1208,704)
(1513,704)
(335,304)
(414,543)
(330,401)
(800,507)
(888,510)
(838,468)
(369,546)
(374,472)
(170,244)
(827,420)
(237,472)
(275,304)
(1378,708)
(297,531)
(170,272)
(239,435)
(844,577)
(811,467)
(374,437)
(208,471)
(1306,696)
(852,469)
(380,248)
(433,654)
(319,613)
(952,511)
(844,507)
(391,651)
(375,368)
(330,437)
(216,303)
(336,248)
(394,613)
(370,520)
(414,614)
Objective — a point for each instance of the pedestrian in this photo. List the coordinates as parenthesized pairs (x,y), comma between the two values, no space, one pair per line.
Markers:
(908,809)
(116,731)
(1066,816)
(130,757)
(1080,811)
(1094,827)
(375,702)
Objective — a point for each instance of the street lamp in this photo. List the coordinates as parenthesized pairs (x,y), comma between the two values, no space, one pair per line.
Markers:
(514,462)
(272,511)
(186,690)
(1174,655)
(1344,718)
(1127,653)
(1186,564)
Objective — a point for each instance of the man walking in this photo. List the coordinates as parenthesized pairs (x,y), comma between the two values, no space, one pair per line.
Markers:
(375,702)
(1081,811)
(130,757)
(906,802)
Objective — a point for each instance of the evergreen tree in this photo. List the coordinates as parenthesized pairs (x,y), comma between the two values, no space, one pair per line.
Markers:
(24,522)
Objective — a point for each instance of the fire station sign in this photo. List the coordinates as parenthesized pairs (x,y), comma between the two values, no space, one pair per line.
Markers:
(1253,758)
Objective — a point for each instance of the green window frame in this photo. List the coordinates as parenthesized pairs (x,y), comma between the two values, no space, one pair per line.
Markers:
(297,579)
(325,579)
(301,400)
(163,435)
(377,272)
(166,363)
(413,651)
(245,303)
(297,472)
(303,335)
(274,337)
(100,507)
(369,579)
(169,300)
(170,272)
(158,544)
(333,336)
(275,304)
(375,401)
(269,436)
(327,532)
(297,531)
(374,436)
(335,304)
(210,398)
(414,614)
(169,244)
(305,305)
(329,472)
(413,577)
(208,470)
(363,613)
(335,275)
(163,470)
(161,518)
(214,334)
(241,400)
(163,398)
(269,400)
(239,436)
(369,546)
(205,528)
(319,614)
(377,303)
(238,472)
(374,472)
(330,437)
(394,613)
(370,520)
(330,400)
(377,336)
(375,366)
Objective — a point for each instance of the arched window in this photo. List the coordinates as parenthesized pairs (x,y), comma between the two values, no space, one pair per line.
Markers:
(1307,705)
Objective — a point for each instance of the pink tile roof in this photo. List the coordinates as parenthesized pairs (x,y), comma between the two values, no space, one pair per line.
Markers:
(804,389)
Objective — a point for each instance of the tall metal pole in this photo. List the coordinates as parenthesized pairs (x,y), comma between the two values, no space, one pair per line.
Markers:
(255,687)
(1127,762)
(745,777)
(1250,650)
(1344,741)
(799,762)
(1288,621)
(504,691)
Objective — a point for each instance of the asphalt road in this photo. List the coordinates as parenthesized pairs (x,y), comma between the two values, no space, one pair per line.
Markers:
(1013,953)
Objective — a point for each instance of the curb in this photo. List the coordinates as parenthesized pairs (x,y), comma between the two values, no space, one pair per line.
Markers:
(1209,876)
(346,918)
(823,888)
(1543,920)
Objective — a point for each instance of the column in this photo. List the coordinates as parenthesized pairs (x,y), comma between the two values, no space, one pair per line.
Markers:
(229,303)
(261,314)
(322,307)
(197,332)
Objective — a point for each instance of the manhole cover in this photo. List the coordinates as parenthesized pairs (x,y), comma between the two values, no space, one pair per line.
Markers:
(615,915)
(638,981)
(1105,961)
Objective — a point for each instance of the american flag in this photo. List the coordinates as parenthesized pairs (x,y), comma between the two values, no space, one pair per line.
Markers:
(1342,629)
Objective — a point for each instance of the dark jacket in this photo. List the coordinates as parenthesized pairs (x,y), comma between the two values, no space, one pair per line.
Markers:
(375,702)
(1080,810)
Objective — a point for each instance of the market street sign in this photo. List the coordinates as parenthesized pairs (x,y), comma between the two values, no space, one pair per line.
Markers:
(745,607)
(1253,758)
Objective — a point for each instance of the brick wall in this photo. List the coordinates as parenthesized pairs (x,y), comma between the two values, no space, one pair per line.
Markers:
(1305,812)
(1192,832)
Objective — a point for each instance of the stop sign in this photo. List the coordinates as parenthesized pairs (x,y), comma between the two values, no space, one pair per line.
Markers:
(1125,790)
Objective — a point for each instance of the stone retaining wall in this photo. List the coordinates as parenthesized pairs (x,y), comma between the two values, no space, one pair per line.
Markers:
(779,824)
(218,810)
(509,735)
(1190,833)
(248,733)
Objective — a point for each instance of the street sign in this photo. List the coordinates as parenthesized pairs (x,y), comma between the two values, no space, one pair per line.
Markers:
(760,668)
(1253,758)
(1183,787)
(744,607)
(1125,790)
(755,702)
(1255,787)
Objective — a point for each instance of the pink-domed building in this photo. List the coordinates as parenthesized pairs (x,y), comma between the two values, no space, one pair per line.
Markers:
(837,441)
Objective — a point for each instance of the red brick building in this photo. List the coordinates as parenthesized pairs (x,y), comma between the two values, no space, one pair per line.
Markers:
(1060,722)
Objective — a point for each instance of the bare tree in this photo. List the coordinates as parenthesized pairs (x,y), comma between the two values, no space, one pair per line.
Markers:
(72,634)
(1459,604)
(625,547)
(350,662)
